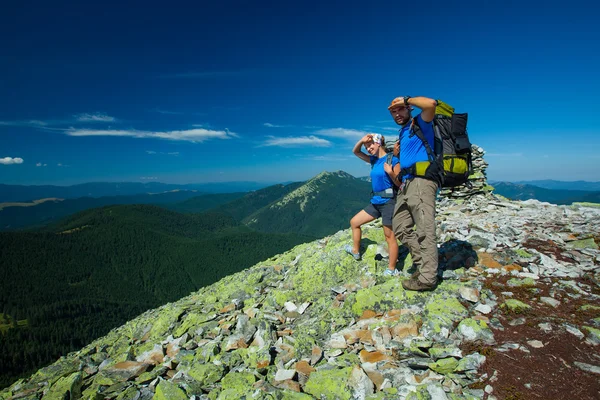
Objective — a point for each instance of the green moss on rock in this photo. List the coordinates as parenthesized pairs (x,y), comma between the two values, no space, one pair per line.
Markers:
(329,384)
(68,387)
(444,366)
(237,384)
(169,391)
(206,374)
(515,306)
(515,282)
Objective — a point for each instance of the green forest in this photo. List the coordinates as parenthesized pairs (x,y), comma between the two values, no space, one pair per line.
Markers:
(65,285)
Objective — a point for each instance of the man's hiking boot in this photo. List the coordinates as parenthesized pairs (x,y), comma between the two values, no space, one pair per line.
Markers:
(416,285)
(391,272)
(348,249)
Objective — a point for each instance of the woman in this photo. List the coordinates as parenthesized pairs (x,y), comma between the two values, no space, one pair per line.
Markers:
(382,199)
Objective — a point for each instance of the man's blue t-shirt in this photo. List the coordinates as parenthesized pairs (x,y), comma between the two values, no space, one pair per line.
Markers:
(380,180)
(412,148)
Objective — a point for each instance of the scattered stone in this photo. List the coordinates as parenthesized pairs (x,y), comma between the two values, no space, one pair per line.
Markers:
(483,308)
(587,367)
(469,294)
(574,331)
(285,374)
(550,301)
(517,321)
(536,344)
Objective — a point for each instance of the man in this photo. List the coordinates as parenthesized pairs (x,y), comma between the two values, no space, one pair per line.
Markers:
(415,201)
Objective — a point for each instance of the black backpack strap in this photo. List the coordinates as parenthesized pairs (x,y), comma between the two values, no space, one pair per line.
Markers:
(416,130)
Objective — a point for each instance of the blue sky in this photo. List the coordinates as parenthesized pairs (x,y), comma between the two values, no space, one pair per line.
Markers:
(276,91)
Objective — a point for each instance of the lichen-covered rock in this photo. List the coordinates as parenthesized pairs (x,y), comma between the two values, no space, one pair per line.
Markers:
(444,366)
(593,334)
(237,384)
(330,384)
(206,374)
(475,330)
(515,306)
(68,387)
(169,391)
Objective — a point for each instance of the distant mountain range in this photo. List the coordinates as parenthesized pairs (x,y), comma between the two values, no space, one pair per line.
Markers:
(22,193)
(563,185)
(317,207)
(14,216)
(516,191)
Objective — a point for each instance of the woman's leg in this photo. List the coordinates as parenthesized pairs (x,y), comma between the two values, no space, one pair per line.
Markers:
(355,223)
(390,238)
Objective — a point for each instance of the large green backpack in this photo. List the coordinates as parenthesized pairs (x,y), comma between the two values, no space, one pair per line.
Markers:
(450,161)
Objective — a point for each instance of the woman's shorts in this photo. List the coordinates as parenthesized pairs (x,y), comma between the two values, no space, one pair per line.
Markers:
(385,211)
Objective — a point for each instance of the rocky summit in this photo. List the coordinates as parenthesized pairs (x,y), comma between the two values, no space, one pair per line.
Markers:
(315,323)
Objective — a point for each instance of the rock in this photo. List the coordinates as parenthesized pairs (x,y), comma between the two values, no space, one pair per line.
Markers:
(536,344)
(169,391)
(587,367)
(475,330)
(574,331)
(68,387)
(316,355)
(469,294)
(444,366)
(330,384)
(125,370)
(360,383)
(550,301)
(483,308)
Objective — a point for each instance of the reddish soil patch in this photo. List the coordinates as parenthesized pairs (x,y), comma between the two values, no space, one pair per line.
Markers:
(548,372)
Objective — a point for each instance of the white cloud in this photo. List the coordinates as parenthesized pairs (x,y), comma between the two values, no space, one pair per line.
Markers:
(171,153)
(148,178)
(270,125)
(296,141)
(38,164)
(190,135)
(59,165)
(352,134)
(32,123)
(96,117)
(10,160)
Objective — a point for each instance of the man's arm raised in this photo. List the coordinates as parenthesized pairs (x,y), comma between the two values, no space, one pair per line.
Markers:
(426,105)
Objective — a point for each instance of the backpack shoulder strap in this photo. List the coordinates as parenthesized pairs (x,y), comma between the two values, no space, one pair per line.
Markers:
(416,130)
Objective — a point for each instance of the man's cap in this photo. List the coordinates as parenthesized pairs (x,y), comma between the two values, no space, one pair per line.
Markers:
(398,102)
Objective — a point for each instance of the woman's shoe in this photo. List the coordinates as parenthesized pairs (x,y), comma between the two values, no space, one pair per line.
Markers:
(348,249)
